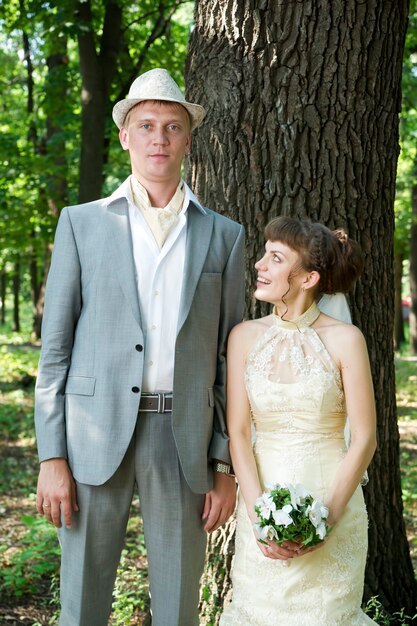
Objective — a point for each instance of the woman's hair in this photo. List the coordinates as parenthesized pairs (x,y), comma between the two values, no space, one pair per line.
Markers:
(338,259)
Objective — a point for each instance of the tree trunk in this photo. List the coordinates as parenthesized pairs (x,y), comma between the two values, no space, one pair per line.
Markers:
(97,71)
(38,287)
(216,588)
(54,197)
(16,303)
(52,150)
(56,92)
(413,274)
(399,335)
(3,280)
(302,104)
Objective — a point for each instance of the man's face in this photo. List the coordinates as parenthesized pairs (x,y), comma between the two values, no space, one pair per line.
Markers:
(157,137)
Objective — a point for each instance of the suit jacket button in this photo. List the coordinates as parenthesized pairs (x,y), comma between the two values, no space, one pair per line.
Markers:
(135,389)
(138,347)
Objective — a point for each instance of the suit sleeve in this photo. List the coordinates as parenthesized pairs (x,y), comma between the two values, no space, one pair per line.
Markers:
(62,309)
(232,304)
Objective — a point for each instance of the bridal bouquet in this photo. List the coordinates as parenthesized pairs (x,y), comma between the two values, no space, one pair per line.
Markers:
(290,513)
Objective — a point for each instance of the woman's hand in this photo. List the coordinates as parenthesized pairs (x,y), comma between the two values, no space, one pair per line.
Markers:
(272,550)
(302,551)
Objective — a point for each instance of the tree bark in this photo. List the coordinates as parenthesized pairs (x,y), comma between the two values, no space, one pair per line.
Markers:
(53,150)
(302,104)
(413,273)
(3,280)
(38,286)
(16,303)
(399,336)
(55,196)
(216,587)
(97,71)
(56,92)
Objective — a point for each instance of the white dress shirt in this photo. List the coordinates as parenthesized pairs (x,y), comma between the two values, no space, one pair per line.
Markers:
(160,276)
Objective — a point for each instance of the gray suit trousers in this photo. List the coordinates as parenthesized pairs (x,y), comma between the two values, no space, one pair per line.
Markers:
(173,529)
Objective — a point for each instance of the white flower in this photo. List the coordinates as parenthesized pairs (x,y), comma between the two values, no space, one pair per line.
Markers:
(272,486)
(282,517)
(317,512)
(298,494)
(321,530)
(266,532)
(266,505)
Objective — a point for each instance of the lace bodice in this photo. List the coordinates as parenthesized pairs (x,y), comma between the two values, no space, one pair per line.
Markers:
(292,381)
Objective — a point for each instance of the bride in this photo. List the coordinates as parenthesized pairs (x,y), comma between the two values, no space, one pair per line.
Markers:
(296,374)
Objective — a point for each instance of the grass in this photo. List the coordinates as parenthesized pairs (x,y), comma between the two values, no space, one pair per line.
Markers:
(29,553)
(406,382)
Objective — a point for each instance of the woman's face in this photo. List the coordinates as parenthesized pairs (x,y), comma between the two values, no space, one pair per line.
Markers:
(274,270)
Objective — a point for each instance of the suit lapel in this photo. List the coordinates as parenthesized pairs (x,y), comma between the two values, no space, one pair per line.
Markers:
(199,229)
(121,252)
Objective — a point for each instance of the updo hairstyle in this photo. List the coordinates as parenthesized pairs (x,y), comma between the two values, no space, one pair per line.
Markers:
(338,259)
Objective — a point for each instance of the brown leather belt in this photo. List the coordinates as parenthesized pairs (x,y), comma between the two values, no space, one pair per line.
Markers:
(155,403)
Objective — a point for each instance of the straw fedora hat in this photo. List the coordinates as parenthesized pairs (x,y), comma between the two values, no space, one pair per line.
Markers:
(156,84)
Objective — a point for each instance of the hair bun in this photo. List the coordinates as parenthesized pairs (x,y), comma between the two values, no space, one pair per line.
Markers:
(342,236)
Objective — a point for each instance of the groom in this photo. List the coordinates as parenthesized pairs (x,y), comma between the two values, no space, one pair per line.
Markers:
(143,290)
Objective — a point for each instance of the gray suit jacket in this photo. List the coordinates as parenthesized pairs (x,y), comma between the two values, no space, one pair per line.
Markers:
(85,406)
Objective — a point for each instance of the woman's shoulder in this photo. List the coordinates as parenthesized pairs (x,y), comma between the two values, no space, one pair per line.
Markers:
(246,333)
(340,337)
(342,330)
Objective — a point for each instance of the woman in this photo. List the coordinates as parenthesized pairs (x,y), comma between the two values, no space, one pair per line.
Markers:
(298,373)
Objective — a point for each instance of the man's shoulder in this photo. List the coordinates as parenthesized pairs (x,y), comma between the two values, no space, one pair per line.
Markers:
(100,205)
(223,220)
(88,212)
(84,207)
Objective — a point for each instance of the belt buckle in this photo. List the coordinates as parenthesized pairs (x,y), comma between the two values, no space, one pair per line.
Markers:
(161,403)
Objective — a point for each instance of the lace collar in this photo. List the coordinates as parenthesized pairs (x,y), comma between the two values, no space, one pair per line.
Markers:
(301,322)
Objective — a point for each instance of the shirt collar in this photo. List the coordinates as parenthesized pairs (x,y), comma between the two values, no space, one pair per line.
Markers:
(124,191)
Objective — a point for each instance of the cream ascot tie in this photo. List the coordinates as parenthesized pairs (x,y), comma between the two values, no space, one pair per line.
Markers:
(160,220)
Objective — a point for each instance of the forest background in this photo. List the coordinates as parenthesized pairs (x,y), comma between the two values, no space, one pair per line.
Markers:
(63,66)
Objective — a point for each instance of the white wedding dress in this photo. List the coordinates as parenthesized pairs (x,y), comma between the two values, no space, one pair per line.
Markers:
(298,409)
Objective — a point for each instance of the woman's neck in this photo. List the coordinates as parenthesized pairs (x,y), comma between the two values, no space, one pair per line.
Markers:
(292,310)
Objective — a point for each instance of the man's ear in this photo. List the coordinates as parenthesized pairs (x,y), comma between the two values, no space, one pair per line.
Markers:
(187,145)
(311,280)
(124,138)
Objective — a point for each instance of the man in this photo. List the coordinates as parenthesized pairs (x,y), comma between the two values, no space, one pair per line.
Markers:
(143,290)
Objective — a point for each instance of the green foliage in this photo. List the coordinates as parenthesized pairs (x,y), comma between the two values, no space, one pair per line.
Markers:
(407,163)
(17,377)
(130,594)
(40,108)
(376,611)
(406,380)
(18,363)
(36,558)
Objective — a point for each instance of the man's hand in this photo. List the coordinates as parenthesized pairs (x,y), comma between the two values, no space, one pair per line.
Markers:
(56,492)
(220,502)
